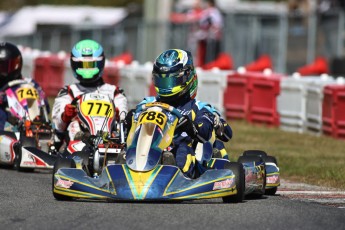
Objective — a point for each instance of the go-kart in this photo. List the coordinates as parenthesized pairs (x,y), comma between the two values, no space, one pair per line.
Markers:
(26,143)
(143,175)
(93,135)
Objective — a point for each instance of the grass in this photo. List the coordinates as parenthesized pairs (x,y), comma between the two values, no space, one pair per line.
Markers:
(301,157)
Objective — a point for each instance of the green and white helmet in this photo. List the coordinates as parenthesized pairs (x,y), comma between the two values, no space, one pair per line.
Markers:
(87,61)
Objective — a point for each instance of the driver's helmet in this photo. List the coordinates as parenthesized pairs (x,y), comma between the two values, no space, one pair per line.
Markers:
(87,61)
(174,76)
(11,63)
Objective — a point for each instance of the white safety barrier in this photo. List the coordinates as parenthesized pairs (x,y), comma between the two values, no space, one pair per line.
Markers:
(135,80)
(299,103)
(211,86)
(291,102)
(314,104)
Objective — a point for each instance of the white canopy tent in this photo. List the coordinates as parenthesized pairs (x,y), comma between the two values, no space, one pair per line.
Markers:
(25,20)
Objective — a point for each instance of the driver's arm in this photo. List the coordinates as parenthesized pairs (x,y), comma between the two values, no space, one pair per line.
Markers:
(120,101)
(60,102)
(204,121)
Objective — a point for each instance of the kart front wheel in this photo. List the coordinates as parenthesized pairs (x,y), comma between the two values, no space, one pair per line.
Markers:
(237,169)
(61,163)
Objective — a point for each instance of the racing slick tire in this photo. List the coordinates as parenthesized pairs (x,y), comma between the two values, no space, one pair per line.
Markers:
(24,142)
(260,153)
(62,163)
(271,191)
(237,169)
(255,158)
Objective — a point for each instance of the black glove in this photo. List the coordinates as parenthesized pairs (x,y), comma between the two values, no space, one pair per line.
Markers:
(218,125)
(188,126)
(128,119)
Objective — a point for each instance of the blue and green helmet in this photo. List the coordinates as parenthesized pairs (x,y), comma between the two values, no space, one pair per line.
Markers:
(87,61)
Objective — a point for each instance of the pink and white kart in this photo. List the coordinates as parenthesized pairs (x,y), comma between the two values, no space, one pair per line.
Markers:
(94,134)
(26,142)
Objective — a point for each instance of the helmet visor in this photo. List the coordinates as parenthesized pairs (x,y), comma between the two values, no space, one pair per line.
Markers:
(87,63)
(169,81)
(8,66)
(87,67)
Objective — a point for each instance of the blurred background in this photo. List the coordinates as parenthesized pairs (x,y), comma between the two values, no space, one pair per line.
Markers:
(292,32)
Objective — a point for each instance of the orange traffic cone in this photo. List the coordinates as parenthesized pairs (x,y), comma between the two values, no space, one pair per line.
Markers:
(262,63)
(318,67)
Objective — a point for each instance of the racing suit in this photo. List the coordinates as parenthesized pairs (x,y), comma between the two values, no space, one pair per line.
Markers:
(15,85)
(68,93)
(182,146)
(223,133)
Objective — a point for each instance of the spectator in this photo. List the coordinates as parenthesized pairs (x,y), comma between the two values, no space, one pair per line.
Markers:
(192,17)
(210,33)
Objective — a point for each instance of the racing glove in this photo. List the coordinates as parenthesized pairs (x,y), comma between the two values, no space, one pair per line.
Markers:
(69,113)
(188,126)
(218,125)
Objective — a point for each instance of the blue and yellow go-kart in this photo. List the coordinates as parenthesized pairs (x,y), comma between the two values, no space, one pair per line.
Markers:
(144,176)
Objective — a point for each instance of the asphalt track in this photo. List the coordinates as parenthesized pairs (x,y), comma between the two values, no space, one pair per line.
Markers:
(26,202)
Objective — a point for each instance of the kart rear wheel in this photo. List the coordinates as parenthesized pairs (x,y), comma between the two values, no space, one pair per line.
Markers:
(62,163)
(271,191)
(260,153)
(255,158)
(271,159)
(237,169)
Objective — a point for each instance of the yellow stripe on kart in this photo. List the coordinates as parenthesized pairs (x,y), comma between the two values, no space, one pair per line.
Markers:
(140,182)
(110,181)
(88,185)
(210,194)
(77,194)
(195,186)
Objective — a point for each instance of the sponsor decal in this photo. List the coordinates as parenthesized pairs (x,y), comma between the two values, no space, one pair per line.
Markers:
(223,184)
(272,179)
(64,183)
(97,96)
(32,162)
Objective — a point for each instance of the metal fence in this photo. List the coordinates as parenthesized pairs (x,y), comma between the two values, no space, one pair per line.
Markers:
(291,40)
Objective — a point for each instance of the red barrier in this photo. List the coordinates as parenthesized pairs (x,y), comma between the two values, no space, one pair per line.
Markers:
(263,92)
(111,75)
(236,96)
(333,111)
(125,57)
(48,72)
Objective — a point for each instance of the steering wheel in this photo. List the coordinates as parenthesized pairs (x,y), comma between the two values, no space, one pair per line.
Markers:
(175,112)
